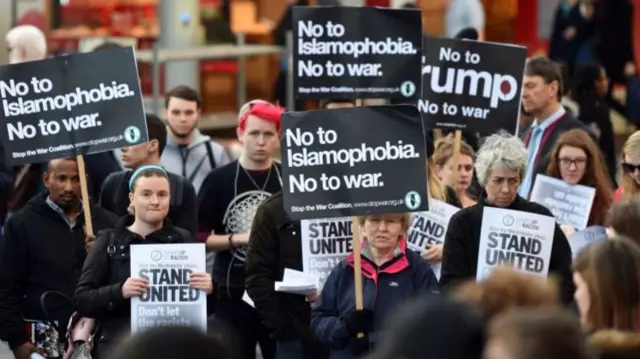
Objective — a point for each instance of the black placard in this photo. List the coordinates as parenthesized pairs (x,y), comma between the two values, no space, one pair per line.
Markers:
(471,85)
(356,52)
(353,161)
(71,105)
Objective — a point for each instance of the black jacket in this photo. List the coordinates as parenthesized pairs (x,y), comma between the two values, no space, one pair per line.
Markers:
(275,244)
(183,208)
(41,253)
(462,243)
(99,291)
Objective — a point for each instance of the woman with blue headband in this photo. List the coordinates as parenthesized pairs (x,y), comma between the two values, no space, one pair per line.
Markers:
(106,286)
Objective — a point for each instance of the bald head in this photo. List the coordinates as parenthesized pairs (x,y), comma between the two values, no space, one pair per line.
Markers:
(26,43)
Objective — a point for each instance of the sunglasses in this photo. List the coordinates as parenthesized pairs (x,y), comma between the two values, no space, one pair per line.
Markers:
(631,168)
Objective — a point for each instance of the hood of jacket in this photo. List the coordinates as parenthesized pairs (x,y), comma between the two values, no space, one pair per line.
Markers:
(198,139)
(165,235)
(614,344)
(38,203)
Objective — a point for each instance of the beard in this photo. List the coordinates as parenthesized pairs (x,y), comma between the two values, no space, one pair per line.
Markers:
(181,135)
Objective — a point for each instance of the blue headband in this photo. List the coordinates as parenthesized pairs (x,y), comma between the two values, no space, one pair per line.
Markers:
(140,170)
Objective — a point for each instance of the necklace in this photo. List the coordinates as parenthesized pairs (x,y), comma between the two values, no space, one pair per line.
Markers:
(266,182)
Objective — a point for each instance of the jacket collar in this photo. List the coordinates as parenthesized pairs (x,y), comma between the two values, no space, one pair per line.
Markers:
(517,202)
(166,234)
(396,264)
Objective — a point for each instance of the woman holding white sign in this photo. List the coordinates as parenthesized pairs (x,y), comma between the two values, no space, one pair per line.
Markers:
(391,275)
(106,286)
(500,166)
(577,160)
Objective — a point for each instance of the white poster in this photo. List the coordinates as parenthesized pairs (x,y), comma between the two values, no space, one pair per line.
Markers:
(571,205)
(430,228)
(516,239)
(581,239)
(325,242)
(170,300)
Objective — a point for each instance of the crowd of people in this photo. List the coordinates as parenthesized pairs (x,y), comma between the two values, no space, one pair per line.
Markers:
(183,187)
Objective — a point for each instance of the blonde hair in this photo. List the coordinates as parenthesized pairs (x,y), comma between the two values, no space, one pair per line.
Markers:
(443,150)
(404,217)
(632,148)
(29,38)
(436,188)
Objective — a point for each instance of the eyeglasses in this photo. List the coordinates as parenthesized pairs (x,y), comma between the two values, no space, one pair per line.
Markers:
(631,168)
(567,162)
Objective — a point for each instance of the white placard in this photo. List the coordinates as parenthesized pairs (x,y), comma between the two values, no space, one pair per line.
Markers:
(170,300)
(430,228)
(571,205)
(325,242)
(517,239)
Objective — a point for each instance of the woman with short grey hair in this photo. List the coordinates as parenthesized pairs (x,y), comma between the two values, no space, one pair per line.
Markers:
(500,165)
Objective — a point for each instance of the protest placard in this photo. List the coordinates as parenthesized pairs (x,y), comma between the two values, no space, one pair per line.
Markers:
(360,171)
(430,227)
(516,239)
(571,205)
(325,242)
(471,85)
(170,300)
(71,105)
(581,239)
(334,56)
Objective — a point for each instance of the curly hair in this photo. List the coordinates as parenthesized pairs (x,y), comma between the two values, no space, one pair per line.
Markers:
(508,289)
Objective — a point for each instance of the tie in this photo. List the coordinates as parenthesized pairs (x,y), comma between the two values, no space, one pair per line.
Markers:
(534,139)
(525,186)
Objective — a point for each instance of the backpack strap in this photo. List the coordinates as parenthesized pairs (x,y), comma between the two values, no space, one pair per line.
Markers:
(177,190)
(212,160)
(117,248)
(120,186)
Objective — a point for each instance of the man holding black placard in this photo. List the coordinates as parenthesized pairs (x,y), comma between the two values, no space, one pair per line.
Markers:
(47,256)
(228,200)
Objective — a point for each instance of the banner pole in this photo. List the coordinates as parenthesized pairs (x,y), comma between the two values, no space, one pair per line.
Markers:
(86,206)
(357,256)
(456,156)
